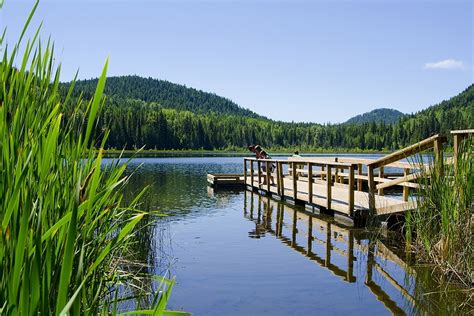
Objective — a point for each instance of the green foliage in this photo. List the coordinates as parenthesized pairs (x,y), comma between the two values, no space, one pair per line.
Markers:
(441,229)
(63,225)
(388,116)
(169,95)
(160,115)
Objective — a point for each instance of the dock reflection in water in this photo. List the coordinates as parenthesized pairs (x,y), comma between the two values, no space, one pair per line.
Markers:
(366,258)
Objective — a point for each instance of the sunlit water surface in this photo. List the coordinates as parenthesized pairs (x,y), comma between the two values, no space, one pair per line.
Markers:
(239,253)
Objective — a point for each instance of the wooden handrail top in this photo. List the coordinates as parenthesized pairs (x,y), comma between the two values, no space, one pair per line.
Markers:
(324,160)
(463,131)
(328,163)
(364,161)
(407,151)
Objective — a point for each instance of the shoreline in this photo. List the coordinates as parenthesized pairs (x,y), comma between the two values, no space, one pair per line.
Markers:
(242,153)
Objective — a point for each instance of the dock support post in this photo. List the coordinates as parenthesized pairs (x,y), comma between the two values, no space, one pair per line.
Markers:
(310,183)
(370,174)
(328,187)
(406,190)
(351,191)
(295,184)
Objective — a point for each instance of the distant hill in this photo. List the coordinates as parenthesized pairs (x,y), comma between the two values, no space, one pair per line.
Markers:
(159,114)
(388,116)
(167,94)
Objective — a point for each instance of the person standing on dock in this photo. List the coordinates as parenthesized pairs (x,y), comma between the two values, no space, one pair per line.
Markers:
(262,154)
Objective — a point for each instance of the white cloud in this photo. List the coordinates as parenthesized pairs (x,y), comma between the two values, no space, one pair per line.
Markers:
(448,64)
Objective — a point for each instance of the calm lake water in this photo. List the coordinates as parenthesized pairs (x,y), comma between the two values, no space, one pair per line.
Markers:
(239,253)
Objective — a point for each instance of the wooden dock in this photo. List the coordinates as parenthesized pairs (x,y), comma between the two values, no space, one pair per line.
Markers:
(353,187)
(350,186)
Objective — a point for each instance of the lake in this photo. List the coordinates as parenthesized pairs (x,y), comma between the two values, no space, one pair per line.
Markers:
(240,253)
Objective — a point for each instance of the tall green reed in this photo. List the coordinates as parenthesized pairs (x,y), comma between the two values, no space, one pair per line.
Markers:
(63,224)
(441,229)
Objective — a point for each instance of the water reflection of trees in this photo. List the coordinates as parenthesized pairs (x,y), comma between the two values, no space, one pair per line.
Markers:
(378,266)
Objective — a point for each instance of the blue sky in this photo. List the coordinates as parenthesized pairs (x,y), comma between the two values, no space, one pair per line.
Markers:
(318,61)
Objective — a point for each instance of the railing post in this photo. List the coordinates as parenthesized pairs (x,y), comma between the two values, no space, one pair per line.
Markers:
(245,171)
(406,190)
(457,143)
(381,175)
(295,184)
(278,177)
(351,190)
(336,172)
(251,173)
(310,182)
(282,182)
(323,176)
(267,175)
(370,174)
(259,174)
(328,186)
(359,181)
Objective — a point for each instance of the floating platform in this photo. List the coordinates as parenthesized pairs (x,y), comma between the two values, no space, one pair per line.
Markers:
(220,180)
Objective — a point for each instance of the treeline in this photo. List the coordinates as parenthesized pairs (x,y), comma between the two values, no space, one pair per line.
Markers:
(134,123)
(168,94)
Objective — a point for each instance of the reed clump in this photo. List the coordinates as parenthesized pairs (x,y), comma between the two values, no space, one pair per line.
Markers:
(441,229)
(63,224)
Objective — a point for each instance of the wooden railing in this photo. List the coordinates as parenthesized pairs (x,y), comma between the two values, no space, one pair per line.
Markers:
(458,136)
(325,174)
(364,176)
(434,142)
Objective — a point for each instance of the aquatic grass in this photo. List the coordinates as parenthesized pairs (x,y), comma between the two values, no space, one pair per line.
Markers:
(441,230)
(63,223)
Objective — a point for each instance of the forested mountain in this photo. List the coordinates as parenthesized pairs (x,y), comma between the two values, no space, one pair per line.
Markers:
(378,115)
(169,95)
(134,122)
